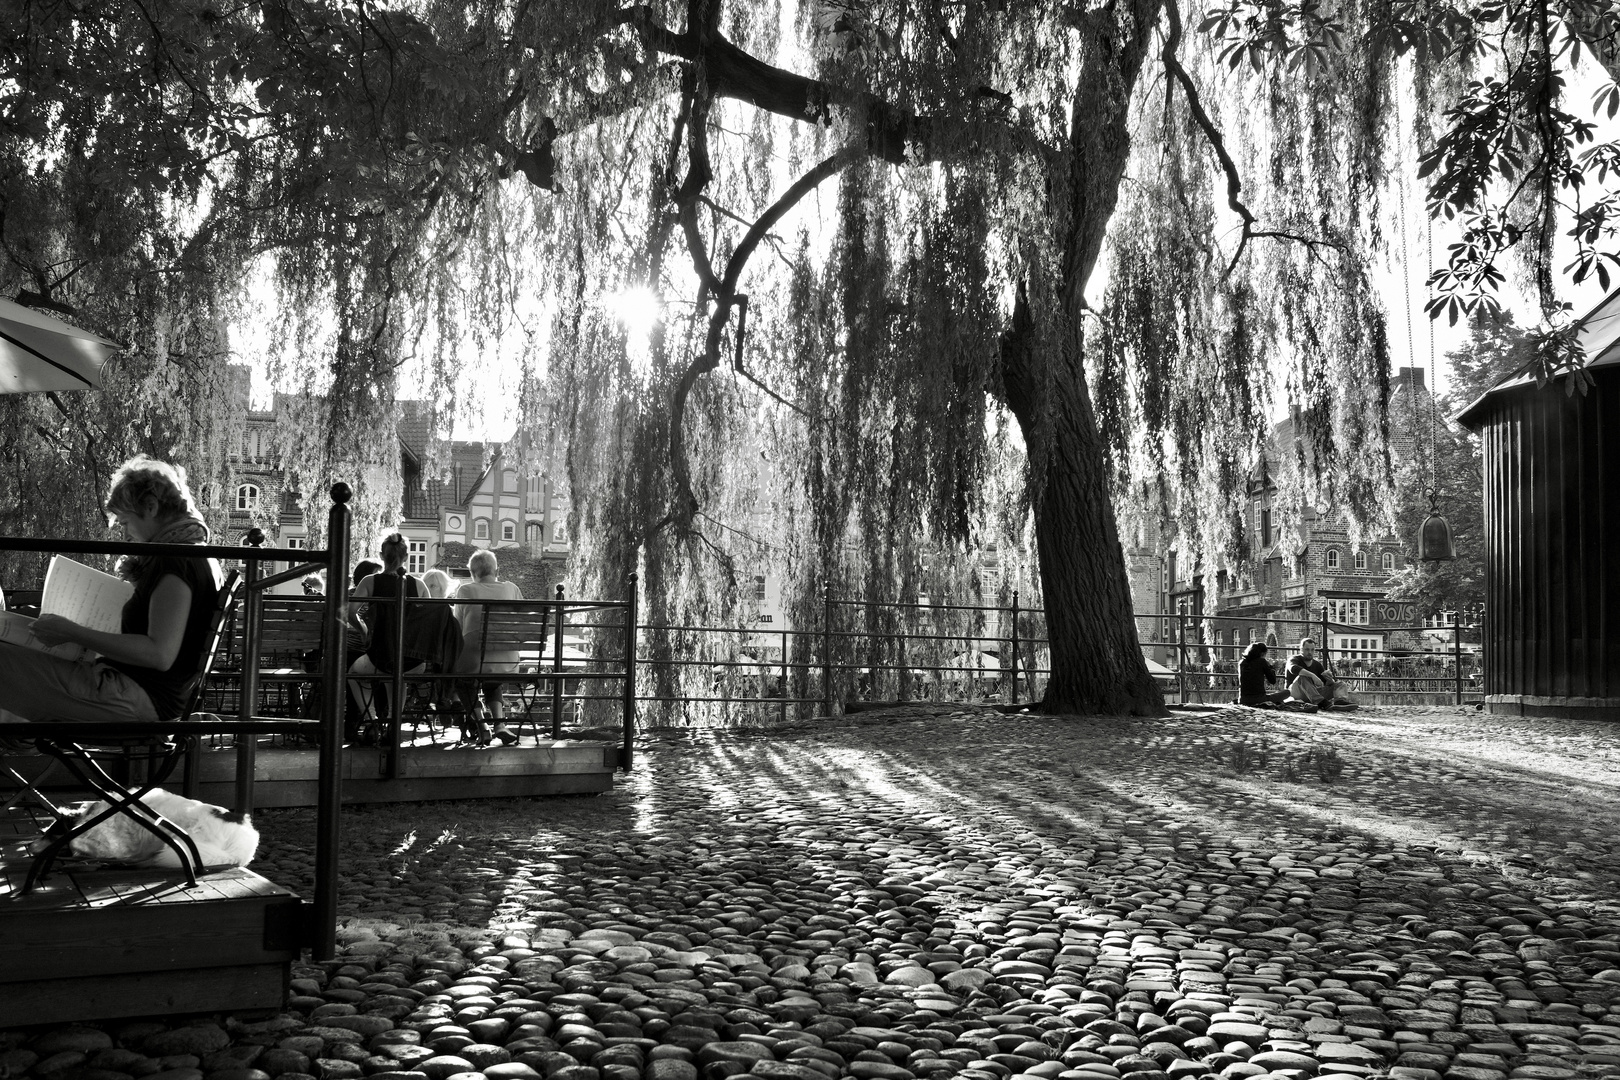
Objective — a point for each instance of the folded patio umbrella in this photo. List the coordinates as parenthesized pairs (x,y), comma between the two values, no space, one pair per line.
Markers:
(39,352)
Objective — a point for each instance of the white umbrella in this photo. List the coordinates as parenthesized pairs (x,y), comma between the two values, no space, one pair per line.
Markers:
(38,352)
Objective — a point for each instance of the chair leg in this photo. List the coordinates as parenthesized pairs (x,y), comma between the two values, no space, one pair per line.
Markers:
(120,800)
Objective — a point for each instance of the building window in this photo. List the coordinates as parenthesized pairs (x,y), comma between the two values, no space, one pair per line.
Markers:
(1265,527)
(1361,560)
(534,495)
(481,529)
(1354,612)
(533,534)
(559,530)
(294,542)
(1299,565)
(1387,561)
(1333,558)
(759,588)
(508,530)
(247,498)
(416,556)
(509,481)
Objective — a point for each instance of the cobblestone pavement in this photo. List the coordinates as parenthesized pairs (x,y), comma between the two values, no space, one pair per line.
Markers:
(941,891)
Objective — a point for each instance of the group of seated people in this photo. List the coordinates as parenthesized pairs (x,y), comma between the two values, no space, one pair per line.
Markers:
(142,672)
(1307,683)
(371,652)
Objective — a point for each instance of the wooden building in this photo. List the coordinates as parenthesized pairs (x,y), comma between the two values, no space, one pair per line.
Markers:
(1552,535)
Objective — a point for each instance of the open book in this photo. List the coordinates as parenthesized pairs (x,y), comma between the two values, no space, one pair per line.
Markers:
(73,591)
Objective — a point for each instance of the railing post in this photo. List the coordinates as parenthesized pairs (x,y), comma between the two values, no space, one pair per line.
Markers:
(1327,653)
(247,746)
(826,651)
(782,708)
(627,751)
(1013,699)
(329,789)
(1456,652)
(556,667)
(1181,658)
(396,720)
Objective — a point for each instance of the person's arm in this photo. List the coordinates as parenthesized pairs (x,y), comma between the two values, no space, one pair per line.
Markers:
(156,649)
(352,607)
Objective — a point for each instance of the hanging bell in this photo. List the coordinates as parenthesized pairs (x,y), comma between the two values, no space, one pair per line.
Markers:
(1434,539)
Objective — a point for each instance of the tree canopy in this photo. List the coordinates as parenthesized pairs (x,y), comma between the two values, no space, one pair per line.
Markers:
(930,276)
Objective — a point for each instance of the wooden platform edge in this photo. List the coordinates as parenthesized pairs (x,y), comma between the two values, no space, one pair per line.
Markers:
(147,993)
(276,794)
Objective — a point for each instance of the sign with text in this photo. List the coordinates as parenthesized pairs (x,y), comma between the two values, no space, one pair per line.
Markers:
(1397,612)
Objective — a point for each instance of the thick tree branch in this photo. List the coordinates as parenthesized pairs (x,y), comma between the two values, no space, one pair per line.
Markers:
(726,297)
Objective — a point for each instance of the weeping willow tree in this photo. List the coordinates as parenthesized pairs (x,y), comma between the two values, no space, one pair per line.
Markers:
(929,277)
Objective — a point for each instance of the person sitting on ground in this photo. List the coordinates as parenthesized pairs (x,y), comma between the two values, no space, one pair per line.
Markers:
(1308,680)
(1255,676)
(144,671)
(484,586)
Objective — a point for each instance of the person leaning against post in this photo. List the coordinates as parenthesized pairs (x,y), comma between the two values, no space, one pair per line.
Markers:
(140,673)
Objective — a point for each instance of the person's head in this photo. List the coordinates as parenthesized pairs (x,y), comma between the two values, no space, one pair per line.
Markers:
(438,583)
(394,551)
(1256,648)
(146,494)
(1307,647)
(482,564)
(365,568)
(313,585)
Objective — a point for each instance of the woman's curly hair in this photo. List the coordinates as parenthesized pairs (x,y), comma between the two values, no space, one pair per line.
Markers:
(141,478)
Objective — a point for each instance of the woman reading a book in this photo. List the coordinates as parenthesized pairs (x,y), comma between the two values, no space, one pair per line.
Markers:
(142,672)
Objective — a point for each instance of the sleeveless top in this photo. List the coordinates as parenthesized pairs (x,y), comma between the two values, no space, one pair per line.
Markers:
(167,689)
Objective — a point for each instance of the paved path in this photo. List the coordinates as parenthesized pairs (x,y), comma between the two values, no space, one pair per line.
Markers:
(939,892)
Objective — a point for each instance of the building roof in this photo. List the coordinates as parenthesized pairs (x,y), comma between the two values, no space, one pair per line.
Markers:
(1599,334)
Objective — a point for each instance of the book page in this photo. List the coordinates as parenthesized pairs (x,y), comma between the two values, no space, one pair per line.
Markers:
(85,595)
(19,630)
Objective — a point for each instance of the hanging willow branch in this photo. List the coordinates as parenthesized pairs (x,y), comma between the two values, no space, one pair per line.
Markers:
(685,502)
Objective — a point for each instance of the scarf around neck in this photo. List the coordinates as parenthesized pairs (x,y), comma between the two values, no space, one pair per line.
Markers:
(187,529)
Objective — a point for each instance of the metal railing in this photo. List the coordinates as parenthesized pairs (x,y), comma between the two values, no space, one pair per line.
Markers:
(1204,666)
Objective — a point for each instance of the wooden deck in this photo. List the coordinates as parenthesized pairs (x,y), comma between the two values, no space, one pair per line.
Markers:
(426,772)
(94,942)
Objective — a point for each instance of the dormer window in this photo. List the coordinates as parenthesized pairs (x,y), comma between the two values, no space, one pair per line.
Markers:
(1333,558)
(247,498)
(1361,560)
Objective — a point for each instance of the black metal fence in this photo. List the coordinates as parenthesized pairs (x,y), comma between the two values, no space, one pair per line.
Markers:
(1204,665)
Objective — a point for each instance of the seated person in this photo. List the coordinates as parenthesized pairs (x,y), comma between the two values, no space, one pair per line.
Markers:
(142,672)
(357,634)
(439,585)
(1255,676)
(384,584)
(485,585)
(1308,680)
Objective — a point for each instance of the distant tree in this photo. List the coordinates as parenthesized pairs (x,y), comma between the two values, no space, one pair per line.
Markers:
(1447,460)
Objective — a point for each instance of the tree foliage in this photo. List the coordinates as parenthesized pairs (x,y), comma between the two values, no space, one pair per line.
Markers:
(871,227)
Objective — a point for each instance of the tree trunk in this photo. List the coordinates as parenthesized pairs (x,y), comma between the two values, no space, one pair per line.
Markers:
(1097,663)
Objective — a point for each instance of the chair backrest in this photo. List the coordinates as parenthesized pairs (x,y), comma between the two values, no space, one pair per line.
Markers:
(290,626)
(512,630)
(223,603)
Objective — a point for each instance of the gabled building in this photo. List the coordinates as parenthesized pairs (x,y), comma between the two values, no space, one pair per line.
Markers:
(1283,575)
